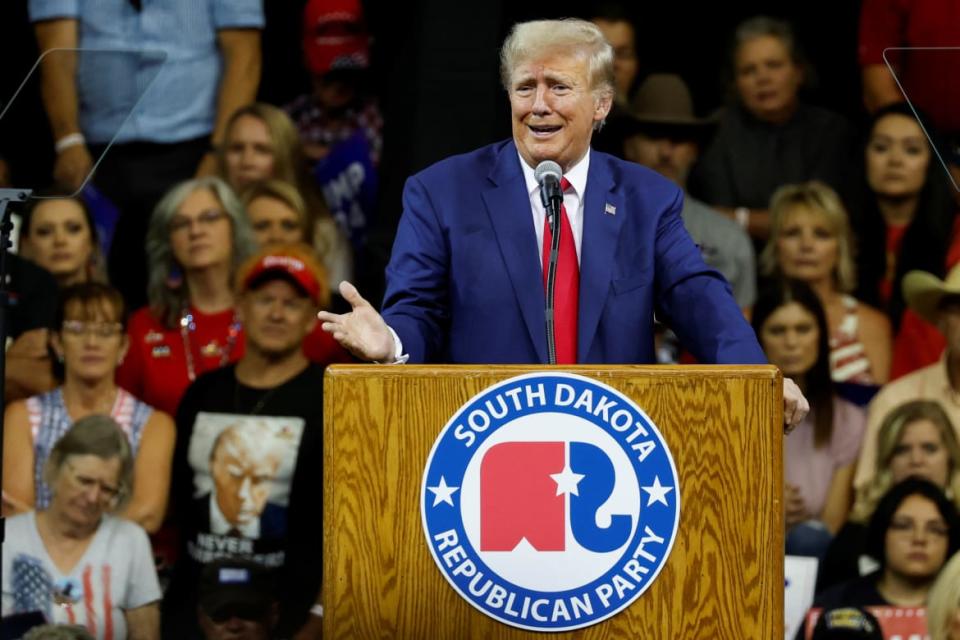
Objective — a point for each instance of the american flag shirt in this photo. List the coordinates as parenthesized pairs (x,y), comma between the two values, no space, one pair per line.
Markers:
(115,573)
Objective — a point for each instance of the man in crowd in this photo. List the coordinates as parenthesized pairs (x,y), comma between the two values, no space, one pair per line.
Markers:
(664,134)
(253,433)
(212,67)
(466,279)
(938,302)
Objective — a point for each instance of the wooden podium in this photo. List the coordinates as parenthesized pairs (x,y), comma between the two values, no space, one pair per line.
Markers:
(723,578)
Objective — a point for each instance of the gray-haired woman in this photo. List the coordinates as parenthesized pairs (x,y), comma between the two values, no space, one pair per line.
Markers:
(73,561)
(198,235)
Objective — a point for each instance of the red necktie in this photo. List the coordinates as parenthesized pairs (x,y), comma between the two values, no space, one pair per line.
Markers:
(566,293)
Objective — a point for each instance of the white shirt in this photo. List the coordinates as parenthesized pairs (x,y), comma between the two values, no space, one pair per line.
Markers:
(572,202)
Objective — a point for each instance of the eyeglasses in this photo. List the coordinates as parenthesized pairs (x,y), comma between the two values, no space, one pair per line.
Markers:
(79,328)
(206,218)
(108,493)
(904,526)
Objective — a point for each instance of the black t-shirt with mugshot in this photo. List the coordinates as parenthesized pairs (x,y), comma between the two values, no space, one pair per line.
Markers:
(248,481)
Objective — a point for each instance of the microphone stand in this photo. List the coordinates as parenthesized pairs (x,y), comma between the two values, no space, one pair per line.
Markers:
(7,196)
(553,217)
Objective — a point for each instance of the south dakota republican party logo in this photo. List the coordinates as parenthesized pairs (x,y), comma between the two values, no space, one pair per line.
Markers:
(550,501)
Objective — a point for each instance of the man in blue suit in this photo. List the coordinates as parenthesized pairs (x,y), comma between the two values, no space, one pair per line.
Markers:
(465,281)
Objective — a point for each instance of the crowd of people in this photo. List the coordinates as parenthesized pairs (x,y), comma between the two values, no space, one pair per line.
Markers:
(162,458)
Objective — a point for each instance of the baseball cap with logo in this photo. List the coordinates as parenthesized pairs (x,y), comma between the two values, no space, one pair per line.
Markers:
(295,263)
(335,36)
(847,623)
(235,588)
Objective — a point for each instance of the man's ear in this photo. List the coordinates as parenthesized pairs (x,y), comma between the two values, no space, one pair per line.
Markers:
(602,106)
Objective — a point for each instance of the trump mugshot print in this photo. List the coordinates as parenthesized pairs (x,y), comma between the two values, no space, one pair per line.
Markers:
(550,502)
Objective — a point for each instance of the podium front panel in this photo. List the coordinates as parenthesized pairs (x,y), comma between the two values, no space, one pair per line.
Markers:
(722,579)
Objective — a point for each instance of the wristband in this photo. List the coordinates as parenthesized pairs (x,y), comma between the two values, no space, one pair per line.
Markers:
(69,140)
(742,216)
(317,610)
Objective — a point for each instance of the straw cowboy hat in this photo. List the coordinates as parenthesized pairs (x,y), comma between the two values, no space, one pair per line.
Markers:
(923,292)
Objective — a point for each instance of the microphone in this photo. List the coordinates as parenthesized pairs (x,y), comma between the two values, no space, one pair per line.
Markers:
(548,174)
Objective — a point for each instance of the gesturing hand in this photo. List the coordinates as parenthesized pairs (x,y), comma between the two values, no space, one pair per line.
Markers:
(795,406)
(362,331)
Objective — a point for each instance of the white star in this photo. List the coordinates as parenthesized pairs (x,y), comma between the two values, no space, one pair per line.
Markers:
(658,492)
(442,492)
(567,481)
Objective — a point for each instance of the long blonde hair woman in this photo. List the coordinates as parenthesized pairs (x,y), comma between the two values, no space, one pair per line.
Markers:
(943,603)
(811,240)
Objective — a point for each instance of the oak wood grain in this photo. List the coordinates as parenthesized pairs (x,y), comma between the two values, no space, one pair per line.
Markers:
(723,578)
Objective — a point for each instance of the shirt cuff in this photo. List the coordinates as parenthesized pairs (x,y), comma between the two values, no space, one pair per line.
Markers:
(399,357)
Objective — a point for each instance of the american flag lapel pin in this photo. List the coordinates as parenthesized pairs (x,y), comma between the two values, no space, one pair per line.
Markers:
(610,210)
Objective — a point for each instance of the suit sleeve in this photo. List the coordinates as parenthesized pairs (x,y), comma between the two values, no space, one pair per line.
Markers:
(416,303)
(697,301)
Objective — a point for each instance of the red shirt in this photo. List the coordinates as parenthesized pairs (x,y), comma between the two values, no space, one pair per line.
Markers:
(929,78)
(155,367)
(918,343)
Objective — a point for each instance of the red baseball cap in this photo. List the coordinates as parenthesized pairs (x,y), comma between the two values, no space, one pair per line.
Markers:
(334,36)
(293,262)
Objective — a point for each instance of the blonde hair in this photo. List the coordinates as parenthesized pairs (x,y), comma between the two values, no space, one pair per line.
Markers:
(286,193)
(288,158)
(817,198)
(529,40)
(891,432)
(943,600)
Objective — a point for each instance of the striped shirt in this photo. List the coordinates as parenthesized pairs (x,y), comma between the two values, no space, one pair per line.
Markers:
(49,420)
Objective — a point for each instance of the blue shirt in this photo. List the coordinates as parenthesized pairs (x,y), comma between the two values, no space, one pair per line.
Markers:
(181,103)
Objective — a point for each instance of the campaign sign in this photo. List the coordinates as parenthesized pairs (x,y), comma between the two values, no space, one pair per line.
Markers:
(550,502)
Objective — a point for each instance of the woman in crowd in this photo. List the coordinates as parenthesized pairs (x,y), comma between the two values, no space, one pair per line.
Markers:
(769,137)
(57,232)
(810,240)
(72,560)
(198,235)
(943,604)
(262,143)
(916,439)
(820,453)
(907,221)
(89,342)
(912,533)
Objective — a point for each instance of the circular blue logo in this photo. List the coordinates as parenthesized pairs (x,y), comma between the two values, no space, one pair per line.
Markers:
(550,502)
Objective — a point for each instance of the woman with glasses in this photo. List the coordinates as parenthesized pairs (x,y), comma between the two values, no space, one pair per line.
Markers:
(72,560)
(198,235)
(88,344)
(912,533)
(917,440)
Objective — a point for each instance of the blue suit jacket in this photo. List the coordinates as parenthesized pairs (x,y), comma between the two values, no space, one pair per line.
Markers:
(465,285)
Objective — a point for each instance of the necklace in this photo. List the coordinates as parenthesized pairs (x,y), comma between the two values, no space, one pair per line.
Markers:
(258,406)
(188,325)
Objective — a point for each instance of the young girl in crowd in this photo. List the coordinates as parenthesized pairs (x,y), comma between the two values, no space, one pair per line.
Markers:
(913,532)
(907,221)
(819,454)
(916,439)
(89,342)
(57,233)
(810,240)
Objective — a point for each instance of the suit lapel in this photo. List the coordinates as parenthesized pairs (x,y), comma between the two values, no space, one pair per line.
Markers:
(505,196)
(601,229)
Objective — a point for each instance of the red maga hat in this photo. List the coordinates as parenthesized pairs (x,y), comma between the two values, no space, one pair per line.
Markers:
(335,36)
